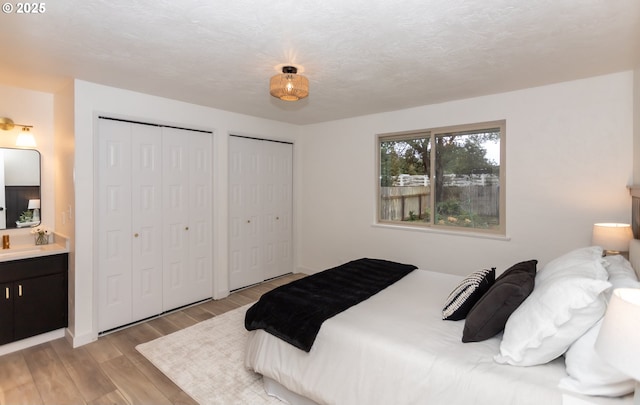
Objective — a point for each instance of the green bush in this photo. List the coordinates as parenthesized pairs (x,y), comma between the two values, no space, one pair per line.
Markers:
(449,207)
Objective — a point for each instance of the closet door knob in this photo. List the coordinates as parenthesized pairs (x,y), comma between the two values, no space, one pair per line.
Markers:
(135,235)
(248,221)
(186,228)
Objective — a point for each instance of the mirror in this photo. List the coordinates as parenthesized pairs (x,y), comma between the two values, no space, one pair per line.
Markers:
(19,188)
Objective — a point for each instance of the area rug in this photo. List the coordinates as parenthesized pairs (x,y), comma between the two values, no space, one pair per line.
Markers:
(206,361)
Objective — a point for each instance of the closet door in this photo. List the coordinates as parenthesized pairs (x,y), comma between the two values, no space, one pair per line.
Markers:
(187,217)
(245,203)
(129,219)
(129,212)
(260,210)
(146,221)
(114,225)
(154,222)
(277,175)
(200,216)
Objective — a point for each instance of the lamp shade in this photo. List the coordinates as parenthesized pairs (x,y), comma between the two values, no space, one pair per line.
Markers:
(26,139)
(33,204)
(617,342)
(289,86)
(612,236)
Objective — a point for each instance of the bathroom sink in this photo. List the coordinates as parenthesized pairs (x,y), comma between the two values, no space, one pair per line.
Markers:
(24,249)
(20,251)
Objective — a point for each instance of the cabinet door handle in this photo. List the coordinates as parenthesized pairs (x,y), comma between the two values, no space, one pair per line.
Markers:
(135,235)
(19,290)
(186,228)
(7,293)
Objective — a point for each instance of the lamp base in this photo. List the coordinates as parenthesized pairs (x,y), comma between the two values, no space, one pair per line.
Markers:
(615,252)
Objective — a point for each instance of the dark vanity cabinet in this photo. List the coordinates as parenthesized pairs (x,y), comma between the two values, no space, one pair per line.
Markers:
(34,296)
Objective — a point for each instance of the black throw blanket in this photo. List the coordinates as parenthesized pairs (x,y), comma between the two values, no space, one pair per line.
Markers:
(294,312)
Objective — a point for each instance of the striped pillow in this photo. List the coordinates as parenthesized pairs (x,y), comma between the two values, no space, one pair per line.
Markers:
(467,293)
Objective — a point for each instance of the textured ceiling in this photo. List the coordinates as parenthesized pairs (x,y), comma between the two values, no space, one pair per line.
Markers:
(361,56)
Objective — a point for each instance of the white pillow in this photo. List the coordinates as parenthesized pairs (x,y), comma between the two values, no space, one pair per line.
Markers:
(563,306)
(587,373)
(620,271)
(571,260)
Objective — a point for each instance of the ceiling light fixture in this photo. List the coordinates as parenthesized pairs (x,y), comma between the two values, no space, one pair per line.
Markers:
(25,138)
(289,86)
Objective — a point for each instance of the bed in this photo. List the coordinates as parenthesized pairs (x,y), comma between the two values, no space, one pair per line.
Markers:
(394,348)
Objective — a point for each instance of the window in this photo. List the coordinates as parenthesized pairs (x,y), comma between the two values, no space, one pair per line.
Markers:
(446,178)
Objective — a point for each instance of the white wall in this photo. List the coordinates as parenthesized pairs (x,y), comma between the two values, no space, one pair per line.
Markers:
(64,185)
(569,160)
(35,108)
(92,100)
(636,126)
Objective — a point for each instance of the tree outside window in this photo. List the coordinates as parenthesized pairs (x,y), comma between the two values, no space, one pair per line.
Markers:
(445,178)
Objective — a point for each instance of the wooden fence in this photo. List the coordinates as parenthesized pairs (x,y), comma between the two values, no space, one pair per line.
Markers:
(479,200)
(397,203)
(401,203)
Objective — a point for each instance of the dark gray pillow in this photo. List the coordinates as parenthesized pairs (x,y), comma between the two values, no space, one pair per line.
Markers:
(467,293)
(489,315)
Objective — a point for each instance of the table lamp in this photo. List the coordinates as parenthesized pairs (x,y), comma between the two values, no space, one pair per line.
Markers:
(618,342)
(35,206)
(614,238)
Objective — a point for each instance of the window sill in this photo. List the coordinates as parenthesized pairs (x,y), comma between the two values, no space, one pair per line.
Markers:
(468,234)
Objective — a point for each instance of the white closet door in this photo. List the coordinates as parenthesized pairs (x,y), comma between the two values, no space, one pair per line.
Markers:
(114,224)
(245,254)
(260,207)
(277,185)
(154,225)
(200,216)
(187,242)
(146,221)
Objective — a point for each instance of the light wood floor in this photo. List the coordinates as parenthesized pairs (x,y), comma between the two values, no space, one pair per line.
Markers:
(110,370)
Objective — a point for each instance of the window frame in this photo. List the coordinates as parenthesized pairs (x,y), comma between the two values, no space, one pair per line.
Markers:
(432,133)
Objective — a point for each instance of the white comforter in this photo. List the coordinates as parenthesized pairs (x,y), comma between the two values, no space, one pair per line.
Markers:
(394,348)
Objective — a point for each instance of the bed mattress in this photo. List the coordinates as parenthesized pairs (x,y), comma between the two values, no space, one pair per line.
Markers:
(394,348)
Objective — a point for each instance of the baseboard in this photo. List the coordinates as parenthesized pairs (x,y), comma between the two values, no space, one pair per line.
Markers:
(32,341)
(77,341)
(305,270)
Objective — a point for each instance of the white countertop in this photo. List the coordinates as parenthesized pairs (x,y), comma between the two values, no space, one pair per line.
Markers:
(25,247)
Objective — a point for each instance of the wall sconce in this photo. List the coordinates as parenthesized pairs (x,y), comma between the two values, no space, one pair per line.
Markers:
(25,138)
